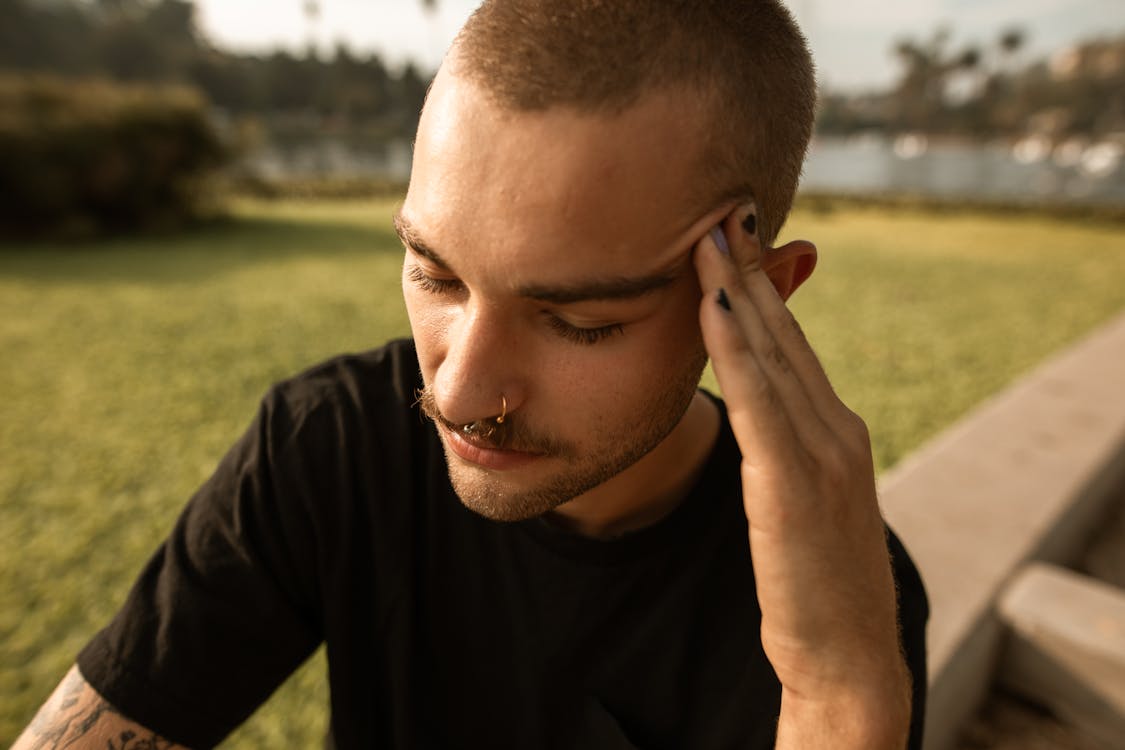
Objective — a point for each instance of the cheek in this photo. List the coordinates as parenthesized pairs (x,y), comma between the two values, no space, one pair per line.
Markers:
(674,340)
(616,380)
(671,348)
(417,312)
(428,327)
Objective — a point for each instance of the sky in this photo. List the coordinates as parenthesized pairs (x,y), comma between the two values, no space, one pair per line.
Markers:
(851,39)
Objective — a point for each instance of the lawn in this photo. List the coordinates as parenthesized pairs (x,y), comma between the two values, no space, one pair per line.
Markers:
(129,366)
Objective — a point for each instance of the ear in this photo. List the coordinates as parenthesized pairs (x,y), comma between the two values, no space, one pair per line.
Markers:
(789,265)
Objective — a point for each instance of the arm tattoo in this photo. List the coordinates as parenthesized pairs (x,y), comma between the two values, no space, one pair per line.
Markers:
(67,720)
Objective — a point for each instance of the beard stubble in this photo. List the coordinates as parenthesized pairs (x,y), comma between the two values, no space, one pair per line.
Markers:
(580,466)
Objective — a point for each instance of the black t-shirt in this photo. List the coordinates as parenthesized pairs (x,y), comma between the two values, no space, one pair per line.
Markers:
(333,520)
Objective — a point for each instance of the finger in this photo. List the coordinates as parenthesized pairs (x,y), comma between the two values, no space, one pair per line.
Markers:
(750,262)
(717,270)
(747,255)
(756,379)
(721,271)
(746,251)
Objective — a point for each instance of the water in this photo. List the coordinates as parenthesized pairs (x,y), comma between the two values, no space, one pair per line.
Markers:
(1032,170)
(332,156)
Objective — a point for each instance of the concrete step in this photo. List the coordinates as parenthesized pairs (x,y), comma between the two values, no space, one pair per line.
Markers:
(1028,475)
(1066,648)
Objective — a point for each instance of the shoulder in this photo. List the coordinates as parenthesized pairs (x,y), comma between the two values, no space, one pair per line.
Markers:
(349,411)
(389,372)
(376,384)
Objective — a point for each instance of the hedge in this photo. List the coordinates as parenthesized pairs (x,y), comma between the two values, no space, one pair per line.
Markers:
(95,157)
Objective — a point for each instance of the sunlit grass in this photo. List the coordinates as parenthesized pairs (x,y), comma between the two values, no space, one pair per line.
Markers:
(919,316)
(128,367)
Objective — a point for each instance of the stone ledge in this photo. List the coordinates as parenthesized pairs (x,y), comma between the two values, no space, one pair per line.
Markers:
(1066,647)
(1025,476)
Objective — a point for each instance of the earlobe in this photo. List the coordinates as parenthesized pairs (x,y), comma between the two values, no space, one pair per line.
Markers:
(789,266)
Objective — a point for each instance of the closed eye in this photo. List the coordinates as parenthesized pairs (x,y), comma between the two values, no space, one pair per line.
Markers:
(429,284)
(568,331)
(580,335)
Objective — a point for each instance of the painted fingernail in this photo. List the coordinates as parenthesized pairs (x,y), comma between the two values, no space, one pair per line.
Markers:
(720,240)
(750,221)
(722,299)
(750,224)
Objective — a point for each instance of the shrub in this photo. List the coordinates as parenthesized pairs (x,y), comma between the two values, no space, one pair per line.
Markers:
(94,157)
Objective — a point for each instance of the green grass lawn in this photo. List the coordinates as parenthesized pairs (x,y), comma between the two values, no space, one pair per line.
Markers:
(129,366)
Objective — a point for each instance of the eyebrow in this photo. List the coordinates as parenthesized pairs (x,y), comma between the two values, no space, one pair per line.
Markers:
(410,237)
(597,289)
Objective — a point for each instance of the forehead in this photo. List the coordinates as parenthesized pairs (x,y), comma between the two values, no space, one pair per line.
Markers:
(494,185)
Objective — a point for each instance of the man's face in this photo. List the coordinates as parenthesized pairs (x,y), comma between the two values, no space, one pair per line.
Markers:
(548,269)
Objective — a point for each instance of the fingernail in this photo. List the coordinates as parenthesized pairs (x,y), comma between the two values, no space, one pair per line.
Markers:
(721,298)
(720,240)
(750,223)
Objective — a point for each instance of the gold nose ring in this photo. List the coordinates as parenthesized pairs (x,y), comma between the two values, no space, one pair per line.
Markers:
(484,429)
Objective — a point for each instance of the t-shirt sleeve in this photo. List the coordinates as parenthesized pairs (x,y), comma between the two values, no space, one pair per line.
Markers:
(226,608)
(913,612)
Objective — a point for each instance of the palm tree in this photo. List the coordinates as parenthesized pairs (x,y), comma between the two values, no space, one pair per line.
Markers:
(1010,43)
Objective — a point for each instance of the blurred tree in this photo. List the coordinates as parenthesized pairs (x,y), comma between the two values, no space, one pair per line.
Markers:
(173,21)
(159,41)
(411,95)
(919,96)
(1010,43)
(43,36)
(985,92)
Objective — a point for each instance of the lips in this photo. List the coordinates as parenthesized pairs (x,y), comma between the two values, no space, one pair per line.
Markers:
(486,455)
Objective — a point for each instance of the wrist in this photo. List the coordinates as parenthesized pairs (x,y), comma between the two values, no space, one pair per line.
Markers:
(873,717)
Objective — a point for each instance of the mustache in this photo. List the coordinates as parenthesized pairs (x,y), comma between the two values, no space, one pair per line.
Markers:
(511,434)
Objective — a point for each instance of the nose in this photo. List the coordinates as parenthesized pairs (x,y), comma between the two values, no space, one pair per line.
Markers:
(477,378)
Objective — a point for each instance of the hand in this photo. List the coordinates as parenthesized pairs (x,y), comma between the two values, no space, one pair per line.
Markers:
(821,565)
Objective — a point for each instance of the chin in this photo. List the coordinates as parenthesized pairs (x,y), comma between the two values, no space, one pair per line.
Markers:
(503,500)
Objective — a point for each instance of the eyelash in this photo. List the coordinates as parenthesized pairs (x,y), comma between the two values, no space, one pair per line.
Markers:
(572,333)
(586,336)
(430,284)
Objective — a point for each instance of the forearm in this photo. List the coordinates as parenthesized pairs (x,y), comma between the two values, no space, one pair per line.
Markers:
(76,717)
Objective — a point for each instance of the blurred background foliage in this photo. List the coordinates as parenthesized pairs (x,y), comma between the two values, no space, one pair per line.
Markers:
(327,121)
(84,158)
(117,115)
(943,88)
(990,90)
(159,42)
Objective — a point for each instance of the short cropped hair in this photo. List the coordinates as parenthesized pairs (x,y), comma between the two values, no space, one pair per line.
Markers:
(747,59)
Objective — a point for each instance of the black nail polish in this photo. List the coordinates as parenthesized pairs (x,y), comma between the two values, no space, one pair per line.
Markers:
(750,224)
(721,298)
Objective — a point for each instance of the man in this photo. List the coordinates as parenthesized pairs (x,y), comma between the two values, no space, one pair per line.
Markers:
(579,550)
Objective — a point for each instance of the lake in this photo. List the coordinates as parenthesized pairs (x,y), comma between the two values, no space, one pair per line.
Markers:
(1031,170)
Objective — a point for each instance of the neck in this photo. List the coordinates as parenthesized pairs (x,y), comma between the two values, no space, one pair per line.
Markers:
(651,488)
